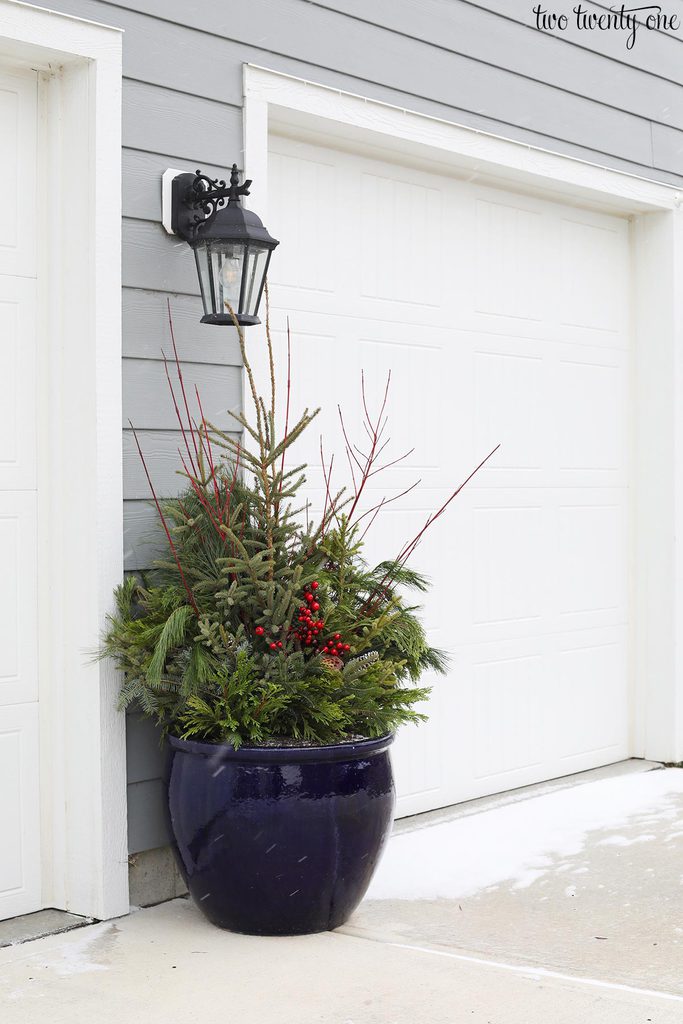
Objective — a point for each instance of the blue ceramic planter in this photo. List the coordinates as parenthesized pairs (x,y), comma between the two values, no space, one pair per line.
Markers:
(279,840)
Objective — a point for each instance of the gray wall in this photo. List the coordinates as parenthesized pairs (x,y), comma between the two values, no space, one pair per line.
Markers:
(482,64)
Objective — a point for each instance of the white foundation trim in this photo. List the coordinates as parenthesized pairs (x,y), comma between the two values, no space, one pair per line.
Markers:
(274,101)
(83,768)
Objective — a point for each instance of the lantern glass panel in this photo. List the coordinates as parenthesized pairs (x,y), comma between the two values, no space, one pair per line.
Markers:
(201,255)
(219,265)
(257,259)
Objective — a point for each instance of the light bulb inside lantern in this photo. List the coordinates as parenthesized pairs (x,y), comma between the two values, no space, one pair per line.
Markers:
(230,277)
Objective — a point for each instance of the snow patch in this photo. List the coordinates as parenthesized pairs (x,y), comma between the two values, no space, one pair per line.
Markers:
(77,956)
(520,843)
(624,840)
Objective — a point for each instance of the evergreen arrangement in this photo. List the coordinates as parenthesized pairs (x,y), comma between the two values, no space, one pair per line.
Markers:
(257,626)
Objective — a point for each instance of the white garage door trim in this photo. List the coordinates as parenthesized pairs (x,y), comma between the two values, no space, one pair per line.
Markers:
(82,745)
(318,113)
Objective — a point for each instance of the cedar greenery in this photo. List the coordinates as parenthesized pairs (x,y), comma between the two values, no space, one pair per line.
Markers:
(211,641)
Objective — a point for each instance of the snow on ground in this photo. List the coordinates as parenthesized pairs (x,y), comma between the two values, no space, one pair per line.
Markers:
(519,842)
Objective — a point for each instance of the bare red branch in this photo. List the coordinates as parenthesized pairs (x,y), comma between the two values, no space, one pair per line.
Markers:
(383,504)
(410,547)
(188,591)
(373,428)
(179,417)
(180,375)
(205,440)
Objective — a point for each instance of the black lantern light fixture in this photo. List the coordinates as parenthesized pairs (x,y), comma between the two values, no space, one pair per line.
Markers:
(232,248)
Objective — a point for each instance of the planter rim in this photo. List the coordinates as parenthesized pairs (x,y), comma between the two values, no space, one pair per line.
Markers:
(346,751)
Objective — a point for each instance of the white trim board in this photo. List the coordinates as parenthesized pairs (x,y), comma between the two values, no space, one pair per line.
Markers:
(83,769)
(294,103)
(274,102)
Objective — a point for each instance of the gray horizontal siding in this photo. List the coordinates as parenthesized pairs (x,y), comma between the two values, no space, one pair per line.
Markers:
(142,536)
(146,754)
(655,54)
(160,448)
(667,147)
(477,62)
(147,403)
(146,331)
(147,826)
(158,119)
(465,59)
(155,261)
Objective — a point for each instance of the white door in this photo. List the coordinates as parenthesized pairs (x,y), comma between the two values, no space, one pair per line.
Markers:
(503,318)
(19,767)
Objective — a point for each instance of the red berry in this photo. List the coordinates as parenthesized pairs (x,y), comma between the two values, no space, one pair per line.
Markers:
(279,643)
(309,597)
(315,606)
(346,647)
(259,631)
(273,646)
(337,636)
(302,608)
(315,585)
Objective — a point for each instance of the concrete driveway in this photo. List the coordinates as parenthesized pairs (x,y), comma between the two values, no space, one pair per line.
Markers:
(555,906)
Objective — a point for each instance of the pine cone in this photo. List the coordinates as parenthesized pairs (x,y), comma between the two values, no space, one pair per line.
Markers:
(332,661)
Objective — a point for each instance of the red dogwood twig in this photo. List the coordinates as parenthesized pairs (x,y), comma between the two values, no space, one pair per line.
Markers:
(366,463)
(188,591)
(407,550)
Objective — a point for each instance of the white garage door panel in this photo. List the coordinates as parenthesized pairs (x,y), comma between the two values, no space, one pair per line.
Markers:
(20,883)
(536,561)
(18,598)
(19,853)
(17,382)
(503,318)
(18,172)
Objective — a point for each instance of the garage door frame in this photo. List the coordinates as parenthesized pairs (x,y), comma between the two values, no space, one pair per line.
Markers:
(80,532)
(315,112)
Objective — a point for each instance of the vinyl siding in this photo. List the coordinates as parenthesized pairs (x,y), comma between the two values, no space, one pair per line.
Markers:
(482,64)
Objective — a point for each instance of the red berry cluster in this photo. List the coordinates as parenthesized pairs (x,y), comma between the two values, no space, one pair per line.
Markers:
(275,645)
(309,627)
(336,646)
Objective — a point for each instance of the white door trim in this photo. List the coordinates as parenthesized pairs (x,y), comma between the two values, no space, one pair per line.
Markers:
(319,113)
(83,768)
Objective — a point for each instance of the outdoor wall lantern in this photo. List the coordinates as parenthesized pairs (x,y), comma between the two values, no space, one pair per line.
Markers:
(231,246)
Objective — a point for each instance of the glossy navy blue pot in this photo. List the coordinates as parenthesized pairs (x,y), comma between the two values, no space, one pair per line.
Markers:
(279,840)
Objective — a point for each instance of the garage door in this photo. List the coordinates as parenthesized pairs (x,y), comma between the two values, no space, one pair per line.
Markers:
(503,318)
(19,797)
